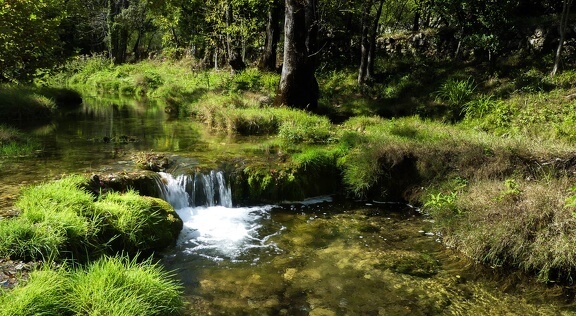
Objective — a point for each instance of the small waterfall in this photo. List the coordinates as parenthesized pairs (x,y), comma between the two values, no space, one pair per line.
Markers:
(196,190)
(213,228)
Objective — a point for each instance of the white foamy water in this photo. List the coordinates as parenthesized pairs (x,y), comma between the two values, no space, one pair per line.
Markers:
(215,230)
(219,232)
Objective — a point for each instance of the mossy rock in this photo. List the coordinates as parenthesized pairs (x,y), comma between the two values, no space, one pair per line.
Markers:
(139,223)
(145,182)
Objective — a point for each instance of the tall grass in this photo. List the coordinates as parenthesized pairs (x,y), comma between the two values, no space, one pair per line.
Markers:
(534,230)
(114,286)
(121,286)
(60,219)
(42,294)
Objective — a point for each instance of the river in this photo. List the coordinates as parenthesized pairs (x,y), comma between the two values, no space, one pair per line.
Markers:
(313,257)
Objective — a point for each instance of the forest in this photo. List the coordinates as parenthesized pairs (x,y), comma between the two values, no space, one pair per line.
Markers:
(462,110)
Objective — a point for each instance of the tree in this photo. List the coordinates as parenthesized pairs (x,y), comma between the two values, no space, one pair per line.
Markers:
(368,40)
(117,31)
(268,59)
(298,86)
(28,37)
(563,26)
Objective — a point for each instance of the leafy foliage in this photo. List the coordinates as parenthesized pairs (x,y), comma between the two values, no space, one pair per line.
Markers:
(21,50)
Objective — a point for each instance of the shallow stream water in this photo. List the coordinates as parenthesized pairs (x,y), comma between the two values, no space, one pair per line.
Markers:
(316,257)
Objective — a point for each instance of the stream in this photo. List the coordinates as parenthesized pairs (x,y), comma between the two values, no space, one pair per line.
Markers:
(312,257)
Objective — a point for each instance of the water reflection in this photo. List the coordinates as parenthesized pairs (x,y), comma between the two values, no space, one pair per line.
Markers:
(101,136)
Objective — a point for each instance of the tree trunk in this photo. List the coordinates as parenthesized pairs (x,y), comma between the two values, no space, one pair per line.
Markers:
(117,33)
(563,25)
(364,45)
(372,42)
(298,86)
(268,60)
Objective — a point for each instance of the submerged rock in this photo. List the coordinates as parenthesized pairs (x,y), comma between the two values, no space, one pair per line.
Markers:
(152,161)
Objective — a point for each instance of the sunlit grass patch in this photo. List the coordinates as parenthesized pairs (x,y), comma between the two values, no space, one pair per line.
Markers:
(23,239)
(109,286)
(122,286)
(387,152)
(60,219)
(42,294)
(137,223)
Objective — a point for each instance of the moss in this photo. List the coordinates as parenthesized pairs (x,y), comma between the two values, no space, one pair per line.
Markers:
(293,180)
(61,219)
(140,223)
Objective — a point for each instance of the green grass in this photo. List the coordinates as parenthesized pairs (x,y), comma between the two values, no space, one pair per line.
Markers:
(34,105)
(18,103)
(20,238)
(60,219)
(114,286)
(13,143)
(122,286)
(137,223)
(462,141)
(42,294)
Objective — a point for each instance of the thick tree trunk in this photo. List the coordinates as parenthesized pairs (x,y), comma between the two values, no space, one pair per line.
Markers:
(268,60)
(298,86)
(563,25)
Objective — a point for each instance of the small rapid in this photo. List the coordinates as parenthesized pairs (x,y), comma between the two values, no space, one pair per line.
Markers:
(213,228)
